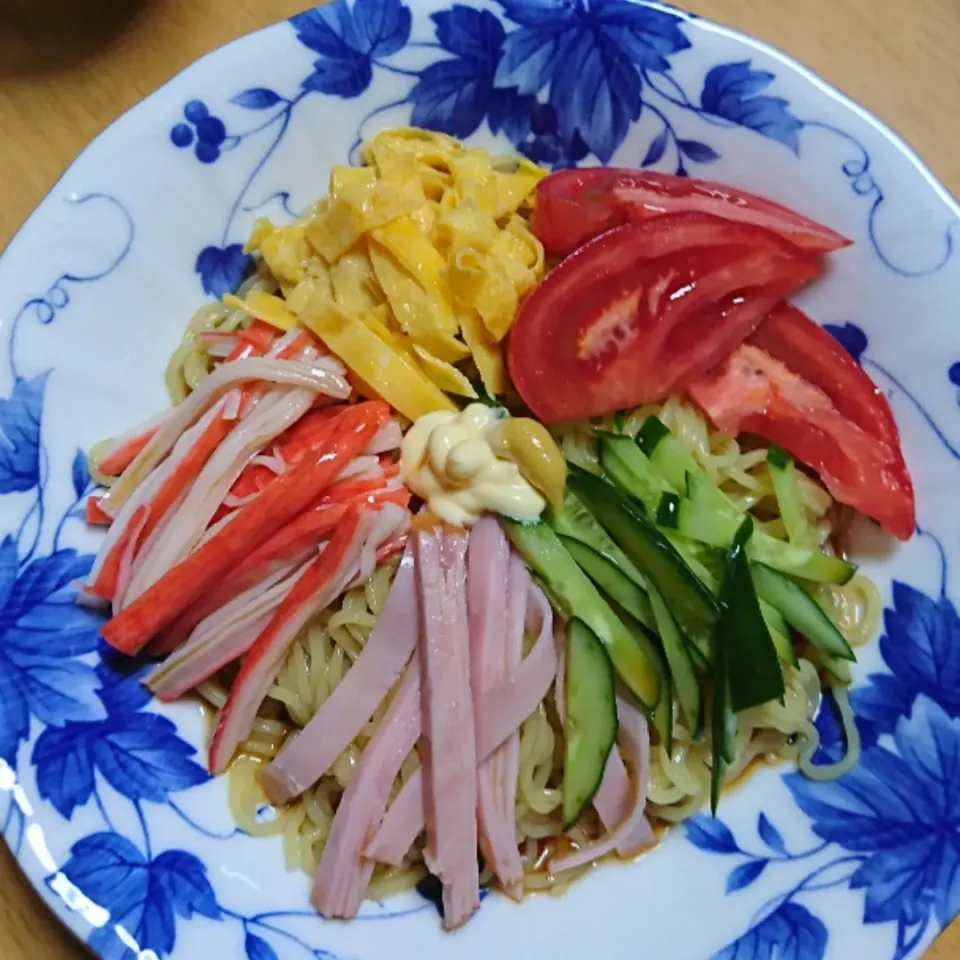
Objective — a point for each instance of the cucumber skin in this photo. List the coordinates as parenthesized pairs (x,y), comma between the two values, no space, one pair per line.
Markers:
(590,726)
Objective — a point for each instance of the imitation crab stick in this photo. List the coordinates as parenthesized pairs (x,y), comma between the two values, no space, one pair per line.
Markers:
(266,655)
(124,450)
(223,379)
(105,584)
(288,543)
(95,515)
(279,502)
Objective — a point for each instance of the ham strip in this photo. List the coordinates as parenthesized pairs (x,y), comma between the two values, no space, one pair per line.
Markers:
(635,736)
(498,715)
(449,759)
(308,756)
(488,587)
(344,872)
(613,797)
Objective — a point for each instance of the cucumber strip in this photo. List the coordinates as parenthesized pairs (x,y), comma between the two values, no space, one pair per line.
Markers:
(663,718)
(646,545)
(635,658)
(675,464)
(667,511)
(783,476)
(682,672)
(578,523)
(651,433)
(590,726)
(838,669)
(701,654)
(779,632)
(723,727)
(753,666)
(624,462)
(611,580)
(801,611)
(699,519)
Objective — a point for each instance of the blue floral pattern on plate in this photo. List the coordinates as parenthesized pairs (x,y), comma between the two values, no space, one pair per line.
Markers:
(83,747)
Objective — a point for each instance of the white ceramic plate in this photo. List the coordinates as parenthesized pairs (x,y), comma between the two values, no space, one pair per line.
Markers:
(103,797)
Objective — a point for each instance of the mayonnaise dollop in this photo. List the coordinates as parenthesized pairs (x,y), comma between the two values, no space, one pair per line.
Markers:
(450,460)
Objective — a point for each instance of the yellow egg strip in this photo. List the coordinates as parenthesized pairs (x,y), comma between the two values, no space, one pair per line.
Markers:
(423,254)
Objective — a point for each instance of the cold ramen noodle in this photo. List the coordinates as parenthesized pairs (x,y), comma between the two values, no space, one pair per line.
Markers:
(500,516)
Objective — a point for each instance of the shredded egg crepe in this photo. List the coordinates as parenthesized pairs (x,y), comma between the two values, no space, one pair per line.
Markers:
(411,268)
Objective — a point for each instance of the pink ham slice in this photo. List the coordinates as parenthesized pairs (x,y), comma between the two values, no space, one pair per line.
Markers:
(612,800)
(344,872)
(498,715)
(307,757)
(495,648)
(449,761)
(635,737)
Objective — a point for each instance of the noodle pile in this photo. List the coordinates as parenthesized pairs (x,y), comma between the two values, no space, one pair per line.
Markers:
(328,646)
(679,783)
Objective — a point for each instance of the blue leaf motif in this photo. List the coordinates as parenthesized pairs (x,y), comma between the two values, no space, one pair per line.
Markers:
(109,869)
(348,40)
(697,151)
(345,77)
(901,811)
(383,26)
(222,269)
(14,715)
(770,835)
(183,880)
(791,932)
(646,35)
(454,96)
(64,771)
(79,473)
(257,98)
(475,35)
(921,646)
(538,13)
(258,949)
(597,94)
(20,435)
(592,59)
(448,98)
(41,580)
(745,874)
(121,690)
(56,691)
(656,150)
(41,627)
(850,336)
(142,897)
(530,58)
(710,834)
(327,30)
(731,91)
(143,758)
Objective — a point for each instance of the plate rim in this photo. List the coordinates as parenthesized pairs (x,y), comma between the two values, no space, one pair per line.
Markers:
(52,903)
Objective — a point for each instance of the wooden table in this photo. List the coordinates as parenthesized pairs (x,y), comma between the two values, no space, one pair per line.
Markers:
(68,67)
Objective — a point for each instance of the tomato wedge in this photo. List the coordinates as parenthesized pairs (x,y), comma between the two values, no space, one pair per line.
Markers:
(754,393)
(638,313)
(801,344)
(573,206)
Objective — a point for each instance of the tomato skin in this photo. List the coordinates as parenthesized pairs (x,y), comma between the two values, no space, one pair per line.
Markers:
(640,311)
(751,392)
(802,345)
(573,206)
